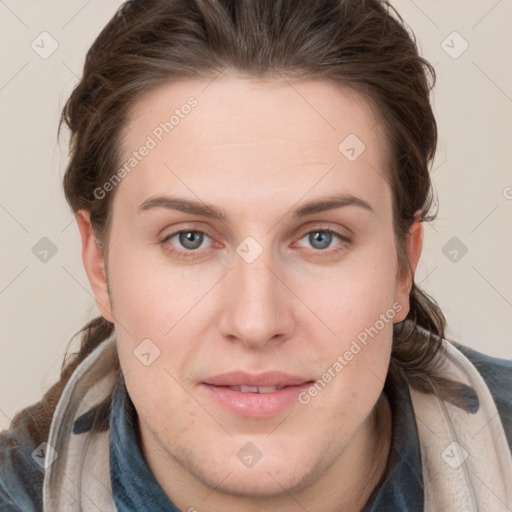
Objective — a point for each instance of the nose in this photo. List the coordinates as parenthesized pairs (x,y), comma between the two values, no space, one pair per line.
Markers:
(257,306)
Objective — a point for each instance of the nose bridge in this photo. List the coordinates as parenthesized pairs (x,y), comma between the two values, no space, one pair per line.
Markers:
(258,310)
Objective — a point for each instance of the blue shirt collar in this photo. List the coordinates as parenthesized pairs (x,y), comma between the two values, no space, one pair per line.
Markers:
(134,486)
(401,487)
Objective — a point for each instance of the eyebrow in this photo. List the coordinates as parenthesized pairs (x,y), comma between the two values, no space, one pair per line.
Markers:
(205,210)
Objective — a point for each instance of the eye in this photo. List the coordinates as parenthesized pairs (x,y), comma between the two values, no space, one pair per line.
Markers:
(188,242)
(321,239)
(185,241)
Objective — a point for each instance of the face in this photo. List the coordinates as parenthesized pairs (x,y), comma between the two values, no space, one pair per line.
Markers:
(251,248)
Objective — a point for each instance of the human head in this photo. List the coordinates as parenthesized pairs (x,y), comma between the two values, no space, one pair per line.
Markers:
(150,47)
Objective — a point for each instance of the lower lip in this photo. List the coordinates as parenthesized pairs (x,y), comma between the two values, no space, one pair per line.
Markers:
(256,405)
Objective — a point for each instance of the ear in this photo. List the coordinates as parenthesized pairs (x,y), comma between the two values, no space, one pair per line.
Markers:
(92,257)
(413,246)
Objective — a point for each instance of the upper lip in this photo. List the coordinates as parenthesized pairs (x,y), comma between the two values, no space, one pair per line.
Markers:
(240,378)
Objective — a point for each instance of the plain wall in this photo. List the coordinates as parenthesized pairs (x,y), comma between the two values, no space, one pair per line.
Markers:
(43,304)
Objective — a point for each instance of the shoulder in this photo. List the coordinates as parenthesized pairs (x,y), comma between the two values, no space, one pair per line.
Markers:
(21,476)
(497,374)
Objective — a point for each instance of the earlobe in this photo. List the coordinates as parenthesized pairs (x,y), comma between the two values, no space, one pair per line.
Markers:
(413,247)
(93,260)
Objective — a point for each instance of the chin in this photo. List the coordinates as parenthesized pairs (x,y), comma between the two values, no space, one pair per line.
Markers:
(268,480)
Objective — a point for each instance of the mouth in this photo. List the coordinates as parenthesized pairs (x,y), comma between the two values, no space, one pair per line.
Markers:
(255,396)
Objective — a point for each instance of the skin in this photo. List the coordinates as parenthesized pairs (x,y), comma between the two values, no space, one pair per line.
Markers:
(257,150)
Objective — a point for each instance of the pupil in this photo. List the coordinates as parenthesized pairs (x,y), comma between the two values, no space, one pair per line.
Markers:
(187,239)
(322,239)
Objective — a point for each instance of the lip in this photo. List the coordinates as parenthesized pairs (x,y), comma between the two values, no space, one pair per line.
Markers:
(255,405)
(240,378)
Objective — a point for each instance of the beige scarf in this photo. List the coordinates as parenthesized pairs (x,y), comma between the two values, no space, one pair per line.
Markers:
(466,461)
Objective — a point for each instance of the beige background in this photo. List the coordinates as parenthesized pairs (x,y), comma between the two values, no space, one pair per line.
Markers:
(43,304)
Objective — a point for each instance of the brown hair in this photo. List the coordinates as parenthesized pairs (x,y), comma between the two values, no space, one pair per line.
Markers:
(362,44)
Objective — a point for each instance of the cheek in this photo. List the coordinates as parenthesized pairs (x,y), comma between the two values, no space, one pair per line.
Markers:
(351,296)
(355,302)
(151,296)
(160,312)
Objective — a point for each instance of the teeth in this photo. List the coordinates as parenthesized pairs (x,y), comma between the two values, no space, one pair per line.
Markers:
(268,389)
(248,389)
(255,389)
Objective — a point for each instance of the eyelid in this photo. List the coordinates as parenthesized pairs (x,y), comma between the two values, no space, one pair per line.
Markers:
(338,231)
(202,227)
(328,226)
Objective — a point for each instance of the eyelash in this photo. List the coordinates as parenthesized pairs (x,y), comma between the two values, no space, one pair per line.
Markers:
(191,254)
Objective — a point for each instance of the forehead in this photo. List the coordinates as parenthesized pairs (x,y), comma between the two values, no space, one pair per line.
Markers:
(263,131)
